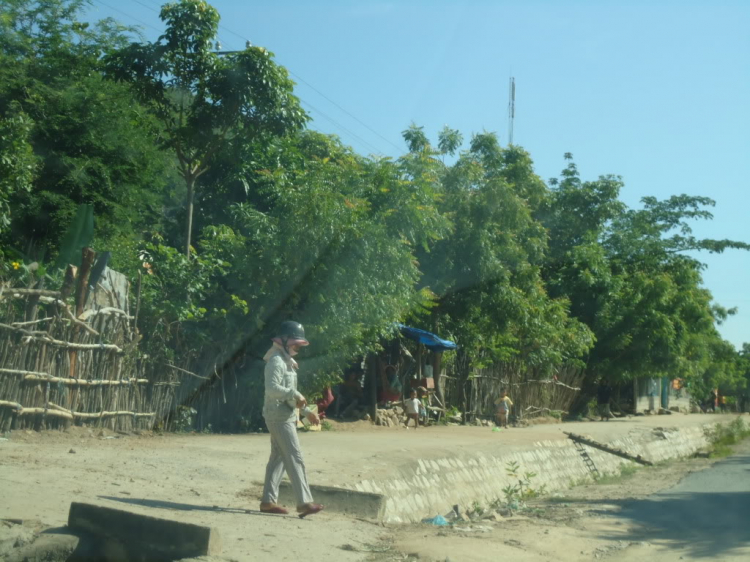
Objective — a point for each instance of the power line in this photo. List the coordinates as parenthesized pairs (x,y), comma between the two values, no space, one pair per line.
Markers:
(511,108)
(301,79)
(340,126)
(345,111)
(129,16)
(321,113)
(365,125)
(147,7)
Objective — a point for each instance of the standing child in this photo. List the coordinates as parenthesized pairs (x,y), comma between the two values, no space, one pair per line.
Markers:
(411,405)
(503,404)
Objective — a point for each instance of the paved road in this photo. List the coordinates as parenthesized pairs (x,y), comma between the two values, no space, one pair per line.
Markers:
(705,516)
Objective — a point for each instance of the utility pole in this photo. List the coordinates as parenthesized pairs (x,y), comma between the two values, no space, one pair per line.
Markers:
(511,108)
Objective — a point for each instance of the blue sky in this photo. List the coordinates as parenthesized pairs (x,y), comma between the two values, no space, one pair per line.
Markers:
(657,92)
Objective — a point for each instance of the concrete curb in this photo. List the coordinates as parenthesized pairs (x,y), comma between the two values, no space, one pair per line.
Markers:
(350,502)
(428,487)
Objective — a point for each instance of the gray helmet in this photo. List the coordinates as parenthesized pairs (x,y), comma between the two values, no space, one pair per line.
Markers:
(292,332)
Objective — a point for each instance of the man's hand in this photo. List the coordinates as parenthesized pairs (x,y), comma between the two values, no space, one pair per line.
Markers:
(313,418)
(301,402)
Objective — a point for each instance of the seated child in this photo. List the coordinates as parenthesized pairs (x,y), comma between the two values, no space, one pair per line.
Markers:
(424,400)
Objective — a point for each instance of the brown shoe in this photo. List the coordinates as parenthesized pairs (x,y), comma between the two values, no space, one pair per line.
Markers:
(308,509)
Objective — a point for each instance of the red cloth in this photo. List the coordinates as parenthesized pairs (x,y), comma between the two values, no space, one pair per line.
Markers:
(324,402)
(389,396)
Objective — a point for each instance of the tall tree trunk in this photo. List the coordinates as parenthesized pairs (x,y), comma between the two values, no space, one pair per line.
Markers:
(190,181)
(588,391)
(437,363)
(463,370)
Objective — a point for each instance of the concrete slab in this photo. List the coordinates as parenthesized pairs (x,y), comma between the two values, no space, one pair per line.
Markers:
(132,536)
(349,502)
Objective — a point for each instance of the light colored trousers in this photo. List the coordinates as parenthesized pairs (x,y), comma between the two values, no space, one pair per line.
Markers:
(286,455)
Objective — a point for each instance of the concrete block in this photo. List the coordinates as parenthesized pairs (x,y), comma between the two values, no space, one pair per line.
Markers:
(127,535)
(351,502)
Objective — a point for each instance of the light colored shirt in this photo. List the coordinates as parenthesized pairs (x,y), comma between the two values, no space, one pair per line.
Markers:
(281,395)
(412,405)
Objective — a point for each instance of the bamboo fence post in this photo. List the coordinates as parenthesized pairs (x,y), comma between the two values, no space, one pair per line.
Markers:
(87,258)
(137,304)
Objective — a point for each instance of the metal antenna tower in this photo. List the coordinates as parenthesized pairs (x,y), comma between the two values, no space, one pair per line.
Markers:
(511,108)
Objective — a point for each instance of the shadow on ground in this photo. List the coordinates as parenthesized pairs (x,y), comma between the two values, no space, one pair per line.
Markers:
(707,514)
(162,504)
(705,524)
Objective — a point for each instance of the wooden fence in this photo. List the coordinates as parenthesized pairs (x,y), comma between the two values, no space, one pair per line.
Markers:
(59,368)
(73,359)
(533,394)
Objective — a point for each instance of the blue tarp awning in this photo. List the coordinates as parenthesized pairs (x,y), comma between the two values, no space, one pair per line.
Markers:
(428,339)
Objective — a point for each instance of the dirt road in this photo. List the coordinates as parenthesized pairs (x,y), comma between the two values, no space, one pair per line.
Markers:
(215,480)
(706,515)
(684,510)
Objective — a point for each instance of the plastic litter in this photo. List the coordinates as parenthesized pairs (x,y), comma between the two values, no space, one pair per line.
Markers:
(497,429)
(438,520)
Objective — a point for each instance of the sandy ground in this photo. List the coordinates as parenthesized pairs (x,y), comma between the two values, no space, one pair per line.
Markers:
(214,480)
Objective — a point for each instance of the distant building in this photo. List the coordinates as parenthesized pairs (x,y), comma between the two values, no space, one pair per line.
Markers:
(654,393)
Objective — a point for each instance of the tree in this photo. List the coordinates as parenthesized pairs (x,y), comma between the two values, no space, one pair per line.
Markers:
(17,162)
(743,368)
(486,274)
(92,142)
(629,279)
(208,103)
(325,237)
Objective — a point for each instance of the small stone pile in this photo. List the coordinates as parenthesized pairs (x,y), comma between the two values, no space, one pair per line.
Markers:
(392,417)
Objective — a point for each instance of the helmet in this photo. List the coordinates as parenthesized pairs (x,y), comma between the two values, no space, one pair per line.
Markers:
(292,333)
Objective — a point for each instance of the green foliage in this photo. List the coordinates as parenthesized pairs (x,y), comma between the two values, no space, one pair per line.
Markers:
(79,235)
(17,161)
(465,240)
(486,275)
(516,494)
(320,237)
(628,279)
(92,143)
(724,436)
(207,103)
(449,140)
(184,420)
(476,509)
